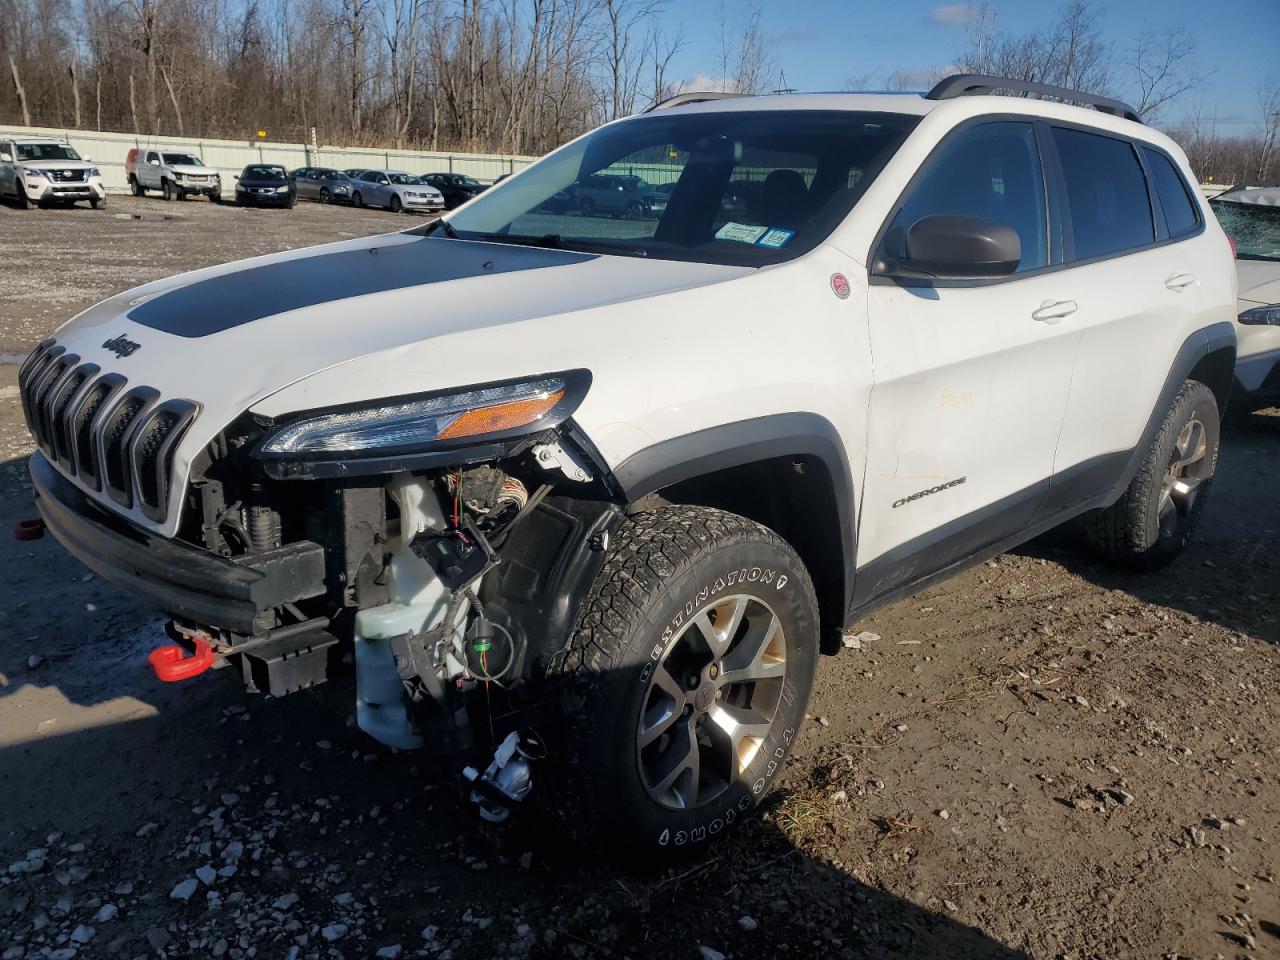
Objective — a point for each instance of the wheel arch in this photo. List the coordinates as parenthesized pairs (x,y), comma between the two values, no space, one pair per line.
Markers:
(787,471)
(1208,355)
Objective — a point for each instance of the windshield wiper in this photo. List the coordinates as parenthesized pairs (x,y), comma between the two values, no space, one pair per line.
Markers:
(550,240)
(554,241)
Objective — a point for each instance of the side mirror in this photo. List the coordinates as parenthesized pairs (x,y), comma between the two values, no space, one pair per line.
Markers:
(5,158)
(951,246)
(154,162)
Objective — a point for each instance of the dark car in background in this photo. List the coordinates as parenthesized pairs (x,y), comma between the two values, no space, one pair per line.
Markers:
(628,197)
(265,185)
(457,188)
(322,183)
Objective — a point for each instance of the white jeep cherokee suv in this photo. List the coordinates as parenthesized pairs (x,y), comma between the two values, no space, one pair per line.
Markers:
(41,171)
(620,481)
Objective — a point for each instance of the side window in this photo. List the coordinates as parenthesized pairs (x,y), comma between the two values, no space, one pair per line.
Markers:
(152,155)
(991,171)
(1106,193)
(1181,216)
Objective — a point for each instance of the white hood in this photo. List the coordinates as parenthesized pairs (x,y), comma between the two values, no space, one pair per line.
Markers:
(1259,281)
(228,337)
(192,170)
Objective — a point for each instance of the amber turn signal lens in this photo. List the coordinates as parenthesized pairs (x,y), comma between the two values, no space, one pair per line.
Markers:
(504,416)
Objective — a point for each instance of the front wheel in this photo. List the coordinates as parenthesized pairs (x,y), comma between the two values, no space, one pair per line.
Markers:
(395,206)
(97,202)
(166,189)
(1153,520)
(21,200)
(357,200)
(324,194)
(690,670)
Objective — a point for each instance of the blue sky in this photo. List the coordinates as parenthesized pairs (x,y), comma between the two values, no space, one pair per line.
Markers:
(820,43)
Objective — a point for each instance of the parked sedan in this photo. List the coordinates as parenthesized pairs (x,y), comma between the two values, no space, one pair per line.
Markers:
(456,187)
(322,183)
(395,190)
(265,185)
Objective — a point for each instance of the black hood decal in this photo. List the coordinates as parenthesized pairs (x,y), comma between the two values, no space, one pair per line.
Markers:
(220,303)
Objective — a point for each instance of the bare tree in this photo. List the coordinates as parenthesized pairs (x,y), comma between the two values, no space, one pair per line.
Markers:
(1162,66)
(1269,100)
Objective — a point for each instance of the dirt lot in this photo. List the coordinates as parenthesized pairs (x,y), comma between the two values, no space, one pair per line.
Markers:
(1039,758)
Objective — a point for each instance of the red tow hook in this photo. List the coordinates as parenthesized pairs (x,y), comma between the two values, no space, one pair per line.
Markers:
(32,529)
(172,664)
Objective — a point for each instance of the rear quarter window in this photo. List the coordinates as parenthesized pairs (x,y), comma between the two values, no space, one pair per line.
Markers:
(1181,215)
(1106,193)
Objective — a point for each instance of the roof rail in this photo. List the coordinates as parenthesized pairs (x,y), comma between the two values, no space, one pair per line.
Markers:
(680,99)
(975,84)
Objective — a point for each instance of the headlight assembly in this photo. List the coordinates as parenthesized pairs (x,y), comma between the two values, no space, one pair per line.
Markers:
(1262,316)
(430,423)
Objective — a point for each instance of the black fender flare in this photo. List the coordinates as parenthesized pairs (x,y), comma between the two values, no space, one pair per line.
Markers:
(722,447)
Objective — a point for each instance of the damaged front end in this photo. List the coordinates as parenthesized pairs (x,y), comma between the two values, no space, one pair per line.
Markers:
(431,552)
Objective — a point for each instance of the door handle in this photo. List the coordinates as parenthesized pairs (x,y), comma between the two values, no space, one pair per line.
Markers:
(1051,311)
(1180,281)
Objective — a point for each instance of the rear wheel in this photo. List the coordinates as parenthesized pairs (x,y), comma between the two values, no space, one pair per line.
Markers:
(137,189)
(1154,519)
(690,670)
(588,207)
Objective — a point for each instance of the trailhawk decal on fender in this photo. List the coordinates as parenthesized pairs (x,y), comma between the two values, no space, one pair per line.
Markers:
(930,492)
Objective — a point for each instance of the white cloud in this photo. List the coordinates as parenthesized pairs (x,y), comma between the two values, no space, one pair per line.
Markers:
(702,83)
(953,14)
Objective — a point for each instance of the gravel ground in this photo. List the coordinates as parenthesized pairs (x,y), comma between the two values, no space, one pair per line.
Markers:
(1038,758)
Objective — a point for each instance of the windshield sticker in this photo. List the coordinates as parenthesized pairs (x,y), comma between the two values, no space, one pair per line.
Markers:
(776,238)
(740,232)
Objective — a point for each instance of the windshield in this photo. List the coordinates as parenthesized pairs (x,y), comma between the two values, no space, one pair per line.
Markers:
(745,187)
(405,178)
(258,172)
(46,151)
(182,160)
(1254,228)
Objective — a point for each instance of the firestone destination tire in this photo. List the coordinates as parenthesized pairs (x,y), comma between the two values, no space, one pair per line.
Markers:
(688,675)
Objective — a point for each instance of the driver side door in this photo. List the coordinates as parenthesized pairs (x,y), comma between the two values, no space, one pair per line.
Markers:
(971,377)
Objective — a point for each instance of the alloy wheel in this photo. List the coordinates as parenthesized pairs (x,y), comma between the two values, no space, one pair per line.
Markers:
(711,701)
(1188,469)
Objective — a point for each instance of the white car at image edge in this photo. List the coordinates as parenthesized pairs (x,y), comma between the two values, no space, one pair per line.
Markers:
(1251,217)
(583,499)
(39,171)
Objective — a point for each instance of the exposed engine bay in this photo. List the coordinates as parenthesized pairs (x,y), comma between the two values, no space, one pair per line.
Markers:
(441,595)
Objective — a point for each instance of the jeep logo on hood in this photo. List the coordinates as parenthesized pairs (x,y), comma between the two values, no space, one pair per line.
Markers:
(122,346)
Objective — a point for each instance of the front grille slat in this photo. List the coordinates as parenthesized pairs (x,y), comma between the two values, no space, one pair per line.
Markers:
(115,435)
(83,417)
(99,432)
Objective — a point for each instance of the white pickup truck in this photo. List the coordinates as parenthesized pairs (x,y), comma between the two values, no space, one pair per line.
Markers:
(177,175)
